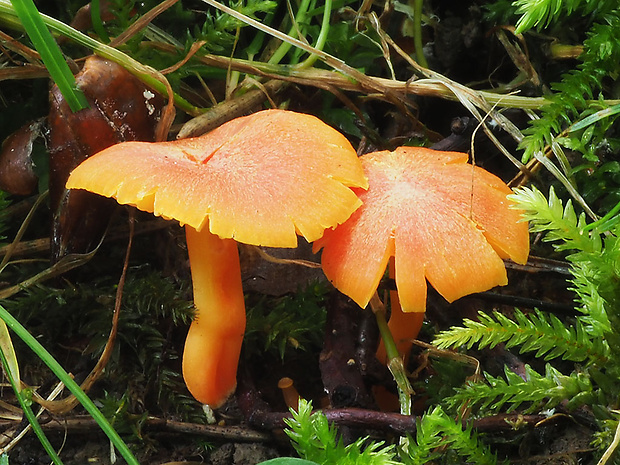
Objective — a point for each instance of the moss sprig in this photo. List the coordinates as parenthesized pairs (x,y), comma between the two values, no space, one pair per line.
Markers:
(559,223)
(529,393)
(294,321)
(543,13)
(591,339)
(545,335)
(438,429)
(319,442)
(316,440)
(218,30)
(569,101)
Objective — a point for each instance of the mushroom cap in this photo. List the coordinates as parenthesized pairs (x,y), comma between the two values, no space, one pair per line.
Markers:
(259,179)
(442,219)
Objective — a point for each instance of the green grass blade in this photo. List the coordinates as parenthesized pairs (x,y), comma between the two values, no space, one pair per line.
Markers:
(95,16)
(30,416)
(50,53)
(63,376)
(8,351)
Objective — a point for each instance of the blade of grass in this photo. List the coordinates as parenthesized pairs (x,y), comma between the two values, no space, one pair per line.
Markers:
(95,17)
(50,53)
(63,376)
(25,405)
(11,366)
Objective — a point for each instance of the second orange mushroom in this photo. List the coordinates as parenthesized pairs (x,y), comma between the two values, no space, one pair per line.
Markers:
(439,219)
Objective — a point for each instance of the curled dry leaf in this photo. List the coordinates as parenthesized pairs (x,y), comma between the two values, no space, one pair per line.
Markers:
(121,109)
(17,175)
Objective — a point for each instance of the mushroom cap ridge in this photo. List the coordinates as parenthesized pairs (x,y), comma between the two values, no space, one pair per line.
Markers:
(442,219)
(259,179)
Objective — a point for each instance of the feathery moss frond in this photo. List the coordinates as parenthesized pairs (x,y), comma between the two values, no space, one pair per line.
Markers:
(537,13)
(427,439)
(316,440)
(218,29)
(435,429)
(600,58)
(595,271)
(560,223)
(537,332)
(290,321)
(595,277)
(534,390)
(592,304)
(466,442)
(596,253)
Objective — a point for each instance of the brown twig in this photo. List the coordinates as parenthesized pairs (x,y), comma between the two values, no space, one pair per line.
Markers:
(87,425)
(259,415)
(142,22)
(192,51)
(32,56)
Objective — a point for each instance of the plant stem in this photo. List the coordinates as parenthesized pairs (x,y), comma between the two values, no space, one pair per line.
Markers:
(322,38)
(605,223)
(63,376)
(284,47)
(343,81)
(395,362)
(404,326)
(417,33)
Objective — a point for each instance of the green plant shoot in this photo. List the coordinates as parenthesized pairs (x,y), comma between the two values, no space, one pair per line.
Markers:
(50,53)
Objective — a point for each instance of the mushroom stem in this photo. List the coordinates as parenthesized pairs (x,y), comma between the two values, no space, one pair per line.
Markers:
(289,393)
(404,326)
(214,339)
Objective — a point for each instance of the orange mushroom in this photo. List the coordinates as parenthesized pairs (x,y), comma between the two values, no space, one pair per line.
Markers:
(289,393)
(440,218)
(259,179)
